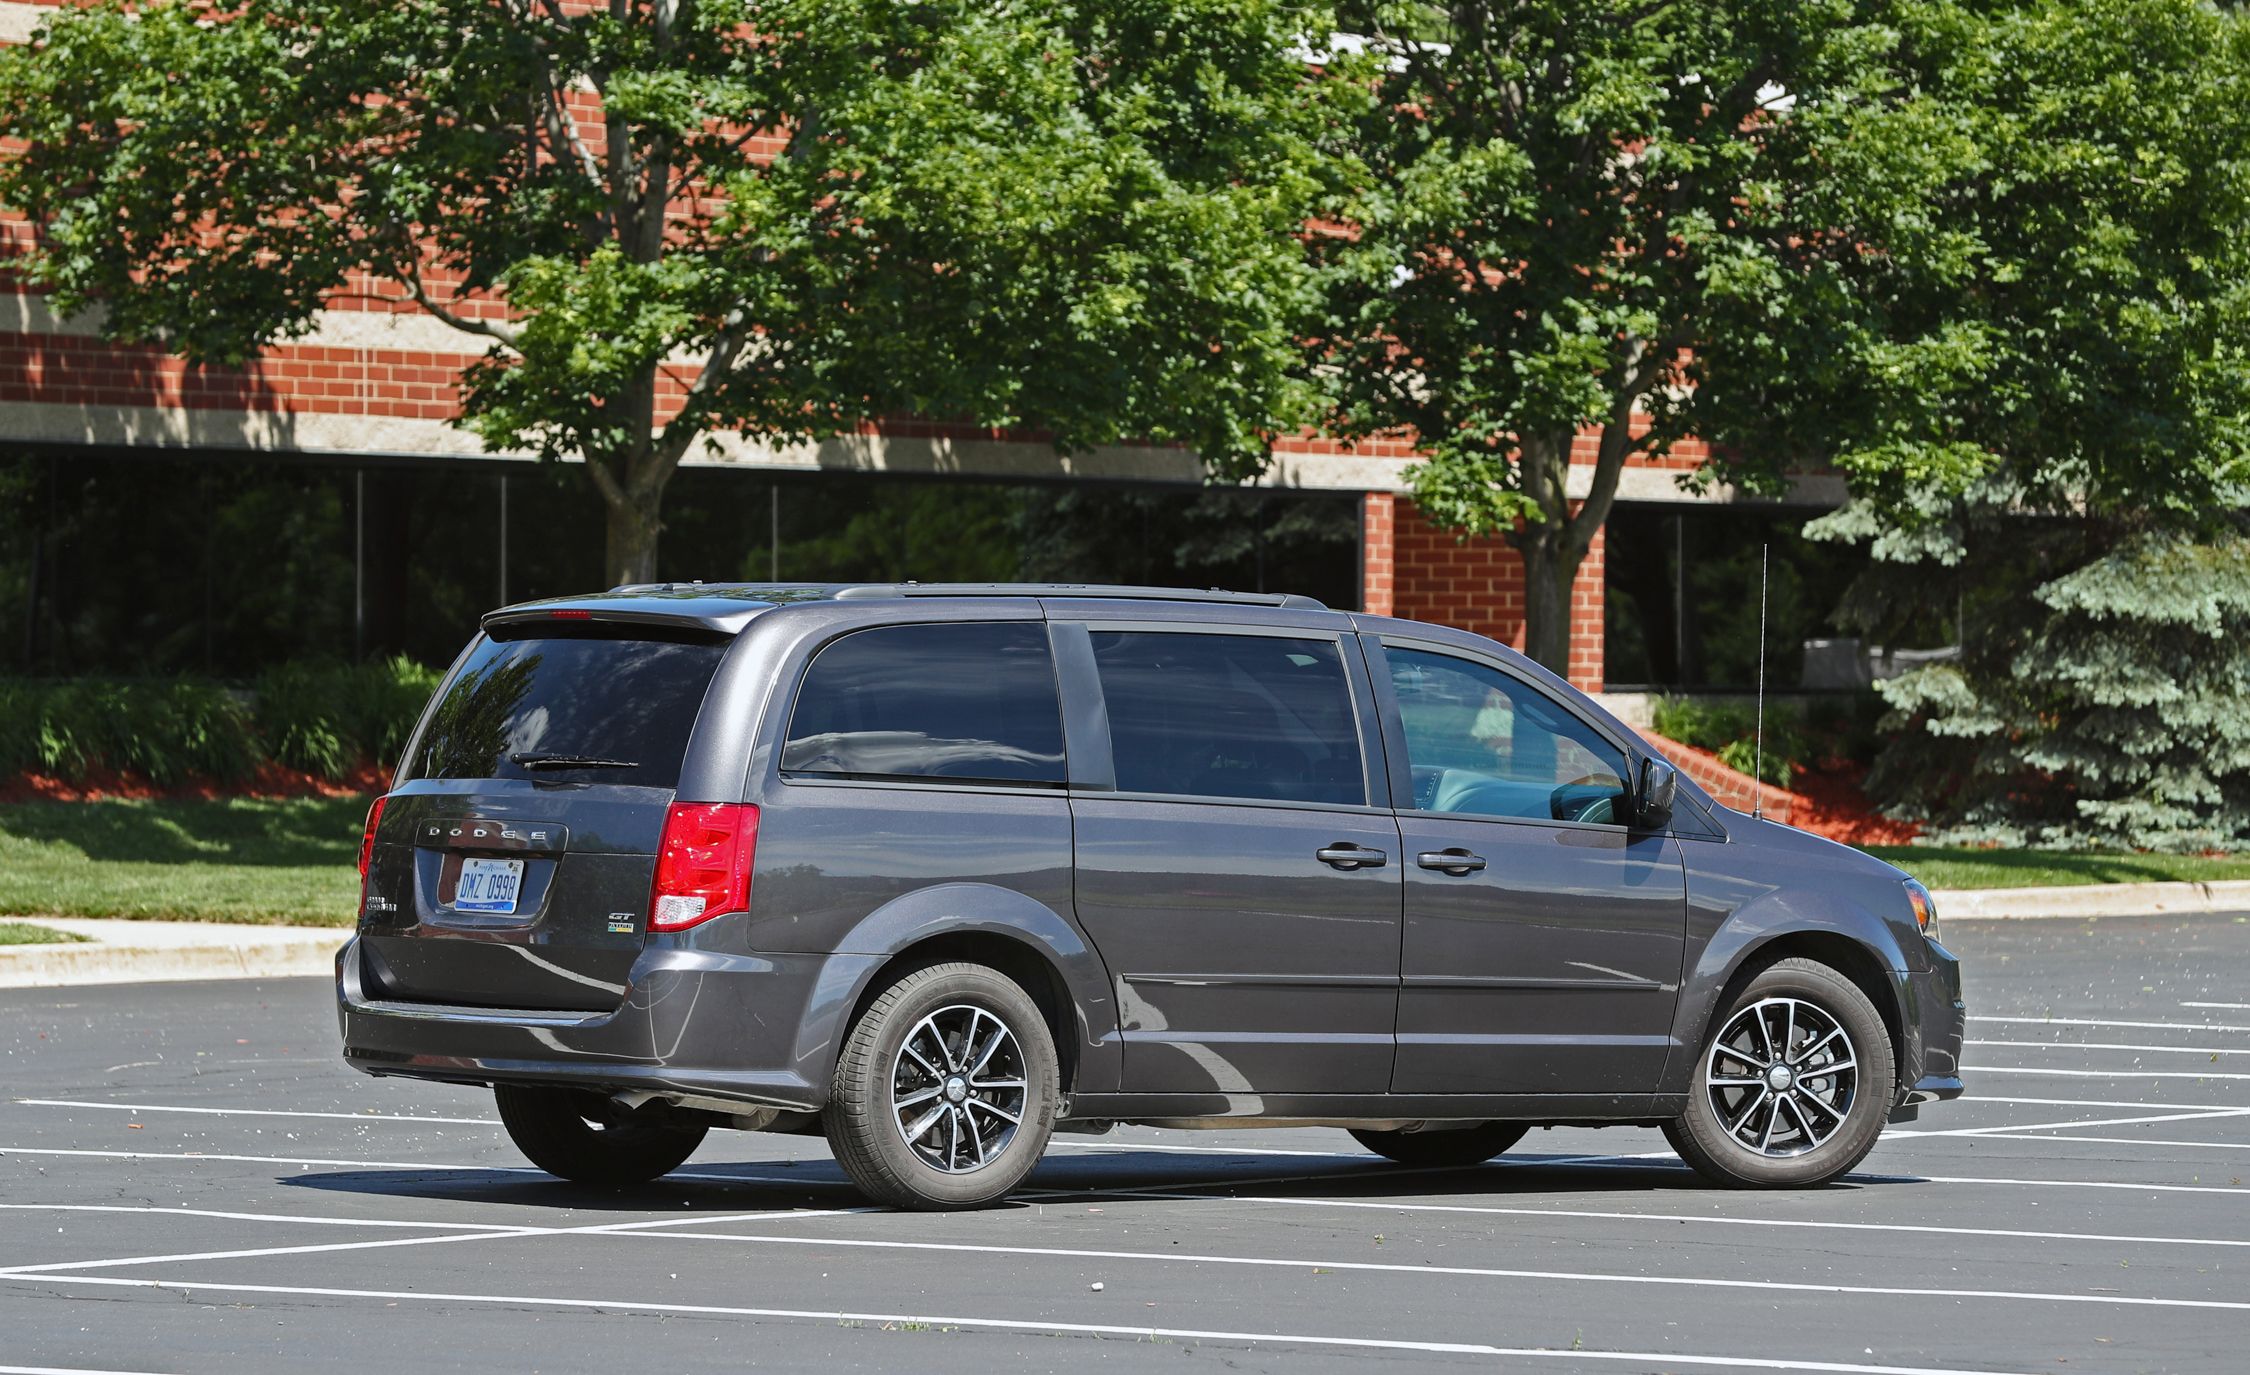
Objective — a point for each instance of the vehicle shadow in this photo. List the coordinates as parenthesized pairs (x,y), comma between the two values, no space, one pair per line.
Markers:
(1121,1176)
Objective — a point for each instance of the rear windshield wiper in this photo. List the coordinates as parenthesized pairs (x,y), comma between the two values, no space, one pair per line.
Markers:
(571,761)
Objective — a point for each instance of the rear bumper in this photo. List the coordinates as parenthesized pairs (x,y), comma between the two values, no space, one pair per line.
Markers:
(760,1030)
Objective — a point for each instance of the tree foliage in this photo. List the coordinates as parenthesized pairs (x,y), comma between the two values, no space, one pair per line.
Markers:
(2053,450)
(1593,216)
(776,218)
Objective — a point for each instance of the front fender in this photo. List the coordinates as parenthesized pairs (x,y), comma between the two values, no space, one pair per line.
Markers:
(954,909)
(1737,936)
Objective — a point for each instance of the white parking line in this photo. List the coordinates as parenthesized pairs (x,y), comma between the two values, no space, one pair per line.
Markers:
(61,1370)
(1466,1271)
(495,1232)
(2241,1007)
(2109,1045)
(2103,1021)
(1674,1219)
(258,1112)
(2201,1116)
(2141,1141)
(255,1217)
(1974,1070)
(423,1165)
(1020,1325)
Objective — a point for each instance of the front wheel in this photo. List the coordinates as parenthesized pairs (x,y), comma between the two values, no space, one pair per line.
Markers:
(1793,1085)
(583,1136)
(1450,1148)
(945,1093)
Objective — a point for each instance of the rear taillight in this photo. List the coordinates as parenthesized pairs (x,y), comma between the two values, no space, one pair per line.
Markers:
(703,863)
(367,837)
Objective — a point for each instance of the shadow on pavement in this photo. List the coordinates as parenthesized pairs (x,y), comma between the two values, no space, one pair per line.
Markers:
(1116,1175)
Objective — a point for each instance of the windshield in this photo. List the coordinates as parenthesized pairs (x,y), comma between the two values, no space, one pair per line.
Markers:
(569,708)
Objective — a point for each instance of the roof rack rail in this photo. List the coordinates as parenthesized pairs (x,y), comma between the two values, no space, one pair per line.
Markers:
(878,591)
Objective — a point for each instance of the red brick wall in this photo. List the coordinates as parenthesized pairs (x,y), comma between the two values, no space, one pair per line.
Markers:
(1425,573)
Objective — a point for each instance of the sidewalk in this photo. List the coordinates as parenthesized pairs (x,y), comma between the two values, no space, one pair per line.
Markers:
(156,951)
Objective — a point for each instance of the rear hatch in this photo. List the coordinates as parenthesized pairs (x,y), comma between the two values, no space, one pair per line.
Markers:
(513,861)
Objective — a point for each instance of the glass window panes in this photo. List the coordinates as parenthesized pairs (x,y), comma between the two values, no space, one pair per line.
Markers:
(968,702)
(1235,716)
(1483,743)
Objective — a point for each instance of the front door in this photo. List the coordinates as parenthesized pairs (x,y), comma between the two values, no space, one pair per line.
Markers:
(1543,934)
(1238,883)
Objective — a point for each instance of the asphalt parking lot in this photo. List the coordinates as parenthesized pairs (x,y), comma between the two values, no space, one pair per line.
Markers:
(191,1181)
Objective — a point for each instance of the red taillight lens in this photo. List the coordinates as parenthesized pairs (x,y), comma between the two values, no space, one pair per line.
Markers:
(703,863)
(367,837)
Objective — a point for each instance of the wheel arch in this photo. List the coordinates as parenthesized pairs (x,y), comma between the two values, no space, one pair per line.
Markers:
(1854,944)
(1002,929)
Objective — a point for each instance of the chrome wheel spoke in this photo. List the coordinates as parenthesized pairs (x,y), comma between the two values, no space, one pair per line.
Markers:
(1814,1047)
(922,1124)
(988,1084)
(1002,1113)
(1735,1127)
(917,1097)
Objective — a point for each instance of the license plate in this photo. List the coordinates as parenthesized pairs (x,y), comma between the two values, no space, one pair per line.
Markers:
(488,885)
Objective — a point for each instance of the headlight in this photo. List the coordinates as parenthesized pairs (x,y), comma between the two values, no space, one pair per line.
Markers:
(1925,908)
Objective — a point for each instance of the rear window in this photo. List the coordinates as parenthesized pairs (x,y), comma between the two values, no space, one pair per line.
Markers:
(968,703)
(578,708)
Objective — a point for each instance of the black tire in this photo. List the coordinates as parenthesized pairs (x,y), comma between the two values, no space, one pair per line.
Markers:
(1456,1148)
(582,1136)
(1851,1111)
(867,1128)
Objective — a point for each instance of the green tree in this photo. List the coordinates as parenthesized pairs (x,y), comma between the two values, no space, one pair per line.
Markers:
(670,219)
(2057,457)
(1588,216)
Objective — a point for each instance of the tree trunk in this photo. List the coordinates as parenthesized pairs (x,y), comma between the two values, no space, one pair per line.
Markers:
(635,522)
(1550,567)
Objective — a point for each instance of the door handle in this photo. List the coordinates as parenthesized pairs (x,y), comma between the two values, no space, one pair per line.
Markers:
(1454,862)
(1349,857)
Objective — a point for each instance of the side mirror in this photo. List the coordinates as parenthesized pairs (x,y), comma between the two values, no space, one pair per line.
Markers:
(1652,801)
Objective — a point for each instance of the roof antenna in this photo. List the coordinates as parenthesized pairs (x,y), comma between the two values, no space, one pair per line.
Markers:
(1758,751)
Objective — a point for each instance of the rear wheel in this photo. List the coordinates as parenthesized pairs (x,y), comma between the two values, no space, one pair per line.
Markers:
(581,1135)
(1457,1147)
(1793,1085)
(945,1093)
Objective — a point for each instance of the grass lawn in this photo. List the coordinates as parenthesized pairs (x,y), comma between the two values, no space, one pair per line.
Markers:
(1951,867)
(294,862)
(24,933)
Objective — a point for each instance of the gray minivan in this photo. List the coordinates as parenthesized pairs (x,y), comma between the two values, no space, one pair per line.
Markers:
(937,871)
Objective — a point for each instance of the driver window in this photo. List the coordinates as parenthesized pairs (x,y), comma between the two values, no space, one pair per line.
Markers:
(1482,743)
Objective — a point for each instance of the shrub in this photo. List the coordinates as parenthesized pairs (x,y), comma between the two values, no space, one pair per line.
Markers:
(1729,729)
(163,731)
(324,717)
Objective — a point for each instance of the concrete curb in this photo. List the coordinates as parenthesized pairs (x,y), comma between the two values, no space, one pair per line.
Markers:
(166,951)
(2095,900)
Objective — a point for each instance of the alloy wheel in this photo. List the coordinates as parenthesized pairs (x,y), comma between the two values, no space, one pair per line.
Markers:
(1782,1076)
(958,1088)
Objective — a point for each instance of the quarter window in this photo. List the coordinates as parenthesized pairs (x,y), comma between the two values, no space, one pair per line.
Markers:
(970,703)
(1483,743)
(1236,716)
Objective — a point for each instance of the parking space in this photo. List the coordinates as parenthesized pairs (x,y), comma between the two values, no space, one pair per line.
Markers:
(194,1183)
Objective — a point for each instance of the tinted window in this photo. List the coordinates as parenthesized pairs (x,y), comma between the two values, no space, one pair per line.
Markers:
(1482,742)
(1230,716)
(969,702)
(631,702)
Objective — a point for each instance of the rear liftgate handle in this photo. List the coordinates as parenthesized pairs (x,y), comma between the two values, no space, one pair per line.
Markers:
(1348,857)
(1458,863)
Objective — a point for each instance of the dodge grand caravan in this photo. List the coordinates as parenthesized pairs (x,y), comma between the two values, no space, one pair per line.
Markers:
(937,871)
